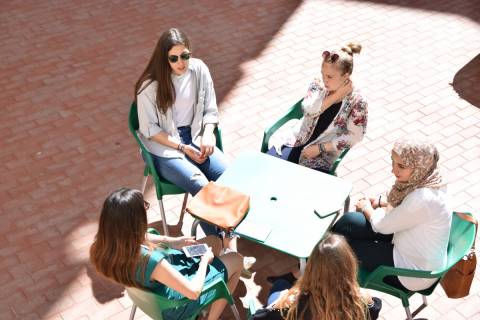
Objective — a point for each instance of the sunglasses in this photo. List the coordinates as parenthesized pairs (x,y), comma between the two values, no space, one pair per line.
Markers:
(184,56)
(333,56)
(146,205)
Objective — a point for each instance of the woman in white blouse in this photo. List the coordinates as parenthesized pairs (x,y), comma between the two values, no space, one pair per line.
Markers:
(409,229)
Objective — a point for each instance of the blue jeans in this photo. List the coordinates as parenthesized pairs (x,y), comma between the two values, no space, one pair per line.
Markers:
(189,175)
(276,290)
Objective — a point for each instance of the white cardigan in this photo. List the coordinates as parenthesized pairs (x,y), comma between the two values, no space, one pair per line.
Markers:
(421,229)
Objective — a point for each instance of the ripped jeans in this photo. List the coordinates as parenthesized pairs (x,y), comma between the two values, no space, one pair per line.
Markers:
(189,175)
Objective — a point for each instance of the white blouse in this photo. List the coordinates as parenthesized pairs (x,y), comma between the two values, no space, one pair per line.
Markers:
(421,229)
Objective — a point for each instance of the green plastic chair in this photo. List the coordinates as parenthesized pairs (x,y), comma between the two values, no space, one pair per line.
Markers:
(162,186)
(153,304)
(462,235)
(295,112)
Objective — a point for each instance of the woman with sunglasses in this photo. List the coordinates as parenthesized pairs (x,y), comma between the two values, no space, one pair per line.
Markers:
(123,251)
(335,116)
(177,113)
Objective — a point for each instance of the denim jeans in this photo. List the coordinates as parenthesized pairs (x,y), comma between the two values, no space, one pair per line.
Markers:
(189,175)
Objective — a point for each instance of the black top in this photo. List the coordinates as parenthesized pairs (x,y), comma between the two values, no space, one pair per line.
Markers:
(323,121)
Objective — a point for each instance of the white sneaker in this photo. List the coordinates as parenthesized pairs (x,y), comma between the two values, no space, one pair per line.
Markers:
(248,262)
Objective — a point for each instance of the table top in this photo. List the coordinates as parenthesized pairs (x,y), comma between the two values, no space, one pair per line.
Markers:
(290,205)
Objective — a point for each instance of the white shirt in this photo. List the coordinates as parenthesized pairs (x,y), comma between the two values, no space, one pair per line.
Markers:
(184,99)
(421,229)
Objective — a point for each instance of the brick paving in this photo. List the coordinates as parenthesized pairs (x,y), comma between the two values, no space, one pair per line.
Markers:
(67,72)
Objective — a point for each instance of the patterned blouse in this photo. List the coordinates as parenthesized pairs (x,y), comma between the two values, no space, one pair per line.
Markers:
(347,129)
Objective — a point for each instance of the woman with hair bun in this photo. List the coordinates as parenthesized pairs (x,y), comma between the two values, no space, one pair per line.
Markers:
(334,115)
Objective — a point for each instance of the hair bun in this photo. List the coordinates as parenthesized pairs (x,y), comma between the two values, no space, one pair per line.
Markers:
(352,48)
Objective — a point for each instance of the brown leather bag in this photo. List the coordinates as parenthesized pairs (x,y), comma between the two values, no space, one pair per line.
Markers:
(219,205)
(457,281)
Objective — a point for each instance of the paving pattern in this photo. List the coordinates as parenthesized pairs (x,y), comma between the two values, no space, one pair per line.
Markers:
(67,74)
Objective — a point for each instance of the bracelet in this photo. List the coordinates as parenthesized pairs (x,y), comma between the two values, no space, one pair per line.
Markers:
(379,201)
(321,148)
(181,147)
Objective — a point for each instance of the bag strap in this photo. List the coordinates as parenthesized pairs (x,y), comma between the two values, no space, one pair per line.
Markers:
(470,219)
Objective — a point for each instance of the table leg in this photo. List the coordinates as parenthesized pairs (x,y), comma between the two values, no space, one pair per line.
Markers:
(303,263)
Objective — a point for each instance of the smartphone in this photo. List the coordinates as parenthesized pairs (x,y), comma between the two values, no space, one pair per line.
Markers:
(195,250)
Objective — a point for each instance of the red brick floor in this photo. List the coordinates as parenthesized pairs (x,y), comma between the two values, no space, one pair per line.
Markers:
(67,72)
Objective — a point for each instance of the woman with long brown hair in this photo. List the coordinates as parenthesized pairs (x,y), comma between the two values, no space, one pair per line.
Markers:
(328,289)
(124,252)
(177,114)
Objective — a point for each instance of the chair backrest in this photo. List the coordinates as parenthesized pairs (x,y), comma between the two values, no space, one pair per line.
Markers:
(462,236)
(133,125)
(295,112)
(154,305)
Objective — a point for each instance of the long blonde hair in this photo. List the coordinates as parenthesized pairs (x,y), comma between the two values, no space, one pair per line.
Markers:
(330,284)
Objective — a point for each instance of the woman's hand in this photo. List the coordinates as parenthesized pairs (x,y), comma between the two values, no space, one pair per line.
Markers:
(179,242)
(208,256)
(207,145)
(345,89)
(311,151)
(194,154)
(363,204)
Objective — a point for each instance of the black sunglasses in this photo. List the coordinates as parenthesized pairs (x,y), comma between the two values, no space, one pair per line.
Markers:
(333,56)
(174,58)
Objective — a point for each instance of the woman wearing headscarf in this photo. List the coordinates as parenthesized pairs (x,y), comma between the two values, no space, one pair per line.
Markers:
(409,229)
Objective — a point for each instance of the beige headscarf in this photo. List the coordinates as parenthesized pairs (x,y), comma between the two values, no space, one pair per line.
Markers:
(423,158)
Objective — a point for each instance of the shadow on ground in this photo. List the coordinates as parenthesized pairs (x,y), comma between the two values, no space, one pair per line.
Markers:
(466,82)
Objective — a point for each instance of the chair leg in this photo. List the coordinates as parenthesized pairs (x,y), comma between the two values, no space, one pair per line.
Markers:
(184,205)
(144,184)
(164,218)
(409,314)
(132,313)
(347,205)
(235,311)
(424,304)
(303,264)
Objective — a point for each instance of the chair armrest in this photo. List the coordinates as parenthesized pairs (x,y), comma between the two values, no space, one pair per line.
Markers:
(333,170)
(295,112)
(218,137)
(381,272)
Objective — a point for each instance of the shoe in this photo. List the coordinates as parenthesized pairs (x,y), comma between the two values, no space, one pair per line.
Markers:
(248,262)
(287,277)
(375,308)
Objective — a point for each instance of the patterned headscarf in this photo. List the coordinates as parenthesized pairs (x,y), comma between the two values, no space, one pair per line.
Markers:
(423,158)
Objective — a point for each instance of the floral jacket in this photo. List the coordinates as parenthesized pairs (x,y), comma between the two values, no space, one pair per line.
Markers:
(347,128)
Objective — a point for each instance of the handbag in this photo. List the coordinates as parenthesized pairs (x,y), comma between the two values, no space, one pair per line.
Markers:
(219,205)
(457,281)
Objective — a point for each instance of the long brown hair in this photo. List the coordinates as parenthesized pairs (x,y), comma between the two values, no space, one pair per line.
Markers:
(115,253)
(158,68)
(330,282)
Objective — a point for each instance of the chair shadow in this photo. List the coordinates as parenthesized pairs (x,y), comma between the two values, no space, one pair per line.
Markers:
(466,82)
(103,289)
